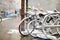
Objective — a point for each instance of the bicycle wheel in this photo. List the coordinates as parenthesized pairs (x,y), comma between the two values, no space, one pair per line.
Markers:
(31,26)
(49,20)
(34,27)
(25,32)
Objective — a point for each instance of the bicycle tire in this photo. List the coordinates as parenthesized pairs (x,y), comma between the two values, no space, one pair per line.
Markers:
(45,20)
(20,26)
(34,27)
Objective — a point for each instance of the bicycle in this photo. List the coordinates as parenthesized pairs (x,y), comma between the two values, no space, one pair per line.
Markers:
(47,26)
(27,20)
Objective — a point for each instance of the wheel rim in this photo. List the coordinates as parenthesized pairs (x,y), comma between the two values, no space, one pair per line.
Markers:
(25,31)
